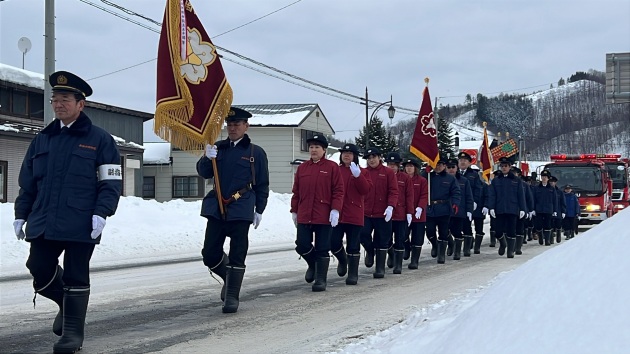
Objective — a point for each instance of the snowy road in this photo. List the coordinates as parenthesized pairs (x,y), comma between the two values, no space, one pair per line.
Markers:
(176,308)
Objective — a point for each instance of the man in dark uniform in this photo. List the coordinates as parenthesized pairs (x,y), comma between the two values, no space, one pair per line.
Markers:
(243,177)
(556,221)
(545,207)
(464,214)
(521,222)
(477,186)
(70,182)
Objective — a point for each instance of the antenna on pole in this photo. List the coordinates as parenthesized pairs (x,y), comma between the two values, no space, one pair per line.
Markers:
(24,45)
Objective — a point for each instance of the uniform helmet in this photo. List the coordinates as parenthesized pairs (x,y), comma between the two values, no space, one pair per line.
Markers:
(393,157)
(319,139)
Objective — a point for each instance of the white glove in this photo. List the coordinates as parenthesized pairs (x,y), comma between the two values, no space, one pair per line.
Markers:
(211,151)
(98,224)
(408,219)
(554,214)
(521,214)
(563,215)
(418,212)
(474,206)
(334,217)
(533,212)
(484,211)
(469,215)
(493,214)
(294,217)
(355,169)
(388,213)
(530,215)
(18,225)
(257,220)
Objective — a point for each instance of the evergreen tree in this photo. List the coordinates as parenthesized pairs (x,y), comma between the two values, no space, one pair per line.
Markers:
(560,82)
(446,145)
(379,137)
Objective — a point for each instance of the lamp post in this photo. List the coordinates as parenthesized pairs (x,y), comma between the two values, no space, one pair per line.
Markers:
(390,112)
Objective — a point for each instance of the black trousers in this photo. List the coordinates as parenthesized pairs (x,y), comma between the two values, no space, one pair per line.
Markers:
(506,223)
(320,234)
(399,230)
(493,224)
(466,227)
(568,223)
(556,223)
(416,231)
(382,233)
(456,225)
(520,225)
(439,222)
(44,257)
(479,225)
(542,222)
(216,232)
(353,246)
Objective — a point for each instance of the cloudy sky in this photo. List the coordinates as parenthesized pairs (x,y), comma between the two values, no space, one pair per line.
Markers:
(387,46)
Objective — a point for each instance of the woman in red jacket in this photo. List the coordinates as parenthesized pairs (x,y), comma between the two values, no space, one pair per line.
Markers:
(418,223)
(403,210)
(379,207)
(315,205)
(356,185)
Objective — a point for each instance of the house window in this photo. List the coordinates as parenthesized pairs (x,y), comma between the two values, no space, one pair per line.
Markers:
(307,134)
(36,105)
(148,187)
(5,99)
(187,187)
(3,181)
(18,106)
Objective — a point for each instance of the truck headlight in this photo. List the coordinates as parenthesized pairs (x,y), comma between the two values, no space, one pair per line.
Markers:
(593,207)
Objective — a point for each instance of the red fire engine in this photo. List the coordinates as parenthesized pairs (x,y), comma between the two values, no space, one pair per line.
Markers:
(618,171)
(591,182)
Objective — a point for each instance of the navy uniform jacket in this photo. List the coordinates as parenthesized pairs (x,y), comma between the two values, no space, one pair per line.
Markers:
(477,186)
(66,177)
(545,200)
(235,173)
(443,187)
(506,195)
(466,202)
(529,197)
(562,204)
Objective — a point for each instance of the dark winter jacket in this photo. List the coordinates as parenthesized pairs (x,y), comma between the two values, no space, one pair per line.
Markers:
(545,201)
(506,195)
(477,187)
(445,193)
(467,197)
(573,205)
(562,205)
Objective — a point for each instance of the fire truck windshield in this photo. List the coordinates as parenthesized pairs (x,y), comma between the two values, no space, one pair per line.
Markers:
(583,178)
(618,174)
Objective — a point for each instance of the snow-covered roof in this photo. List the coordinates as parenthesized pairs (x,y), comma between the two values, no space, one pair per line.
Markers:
(21,76)
(157,153)
(278,114)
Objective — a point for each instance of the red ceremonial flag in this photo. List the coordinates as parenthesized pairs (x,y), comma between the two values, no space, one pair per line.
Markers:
(485,156)
(424,142)
(193,95)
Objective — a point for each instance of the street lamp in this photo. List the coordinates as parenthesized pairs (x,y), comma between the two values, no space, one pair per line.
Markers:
(390,112)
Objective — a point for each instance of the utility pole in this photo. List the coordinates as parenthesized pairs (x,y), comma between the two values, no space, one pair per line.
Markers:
(49,57)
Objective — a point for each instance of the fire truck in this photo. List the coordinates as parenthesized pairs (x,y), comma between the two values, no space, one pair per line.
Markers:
(589,175)
(618,171)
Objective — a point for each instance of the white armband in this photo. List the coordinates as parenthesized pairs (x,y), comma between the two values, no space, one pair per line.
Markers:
(106,172)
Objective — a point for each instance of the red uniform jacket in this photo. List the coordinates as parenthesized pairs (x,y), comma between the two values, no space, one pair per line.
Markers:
(384,191)
(354,200)
(420,194)
(317,189)
(405,204)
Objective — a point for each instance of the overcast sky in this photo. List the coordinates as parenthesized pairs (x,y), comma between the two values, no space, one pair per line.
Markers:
(388,46)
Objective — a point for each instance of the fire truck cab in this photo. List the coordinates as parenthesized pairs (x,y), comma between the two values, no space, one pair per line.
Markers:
(591,182)
(618,171)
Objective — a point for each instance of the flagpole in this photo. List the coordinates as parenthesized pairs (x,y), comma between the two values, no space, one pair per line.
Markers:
(217,186)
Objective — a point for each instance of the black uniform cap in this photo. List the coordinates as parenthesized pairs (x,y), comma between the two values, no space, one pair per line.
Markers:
(63,81)
(517,170)
(411,161)
(372,151)
(545,173)
(464,155)
(553,179)
(235,114)
(451,162)
(319,139)
(568,186)
(393,157)
(350,148)
(505,160)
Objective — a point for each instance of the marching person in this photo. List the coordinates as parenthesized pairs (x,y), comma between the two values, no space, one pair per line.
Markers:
(480,213)
(545,207)
(493,237)
(317,199)
(506,201)
(357,184)
(70,182)
(445,198)
(556,221)
(418,222)
(573,211)
(379,208)
(243,177)
(477,187)
(521,222)
(403,210)
(464,214)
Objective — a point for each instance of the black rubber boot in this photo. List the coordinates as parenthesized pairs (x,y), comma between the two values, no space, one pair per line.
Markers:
(407,250)
(309,257)
(519,244)
(558,235)
(450,245)
(321,273)
(530,231)
(493,238)
(233,282)
(434,247)
(369,257)
(390,257)
(552,236)
(353,269)
(441,257)
(415,257)
(511,245)
(220,270)
(524,242)
(75,303)
(457,254)
(398,259)
(541,237)
(547,237)
(467,245)
(502,245)
(379,271)
(54,290)
(478,241)
(342,259)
